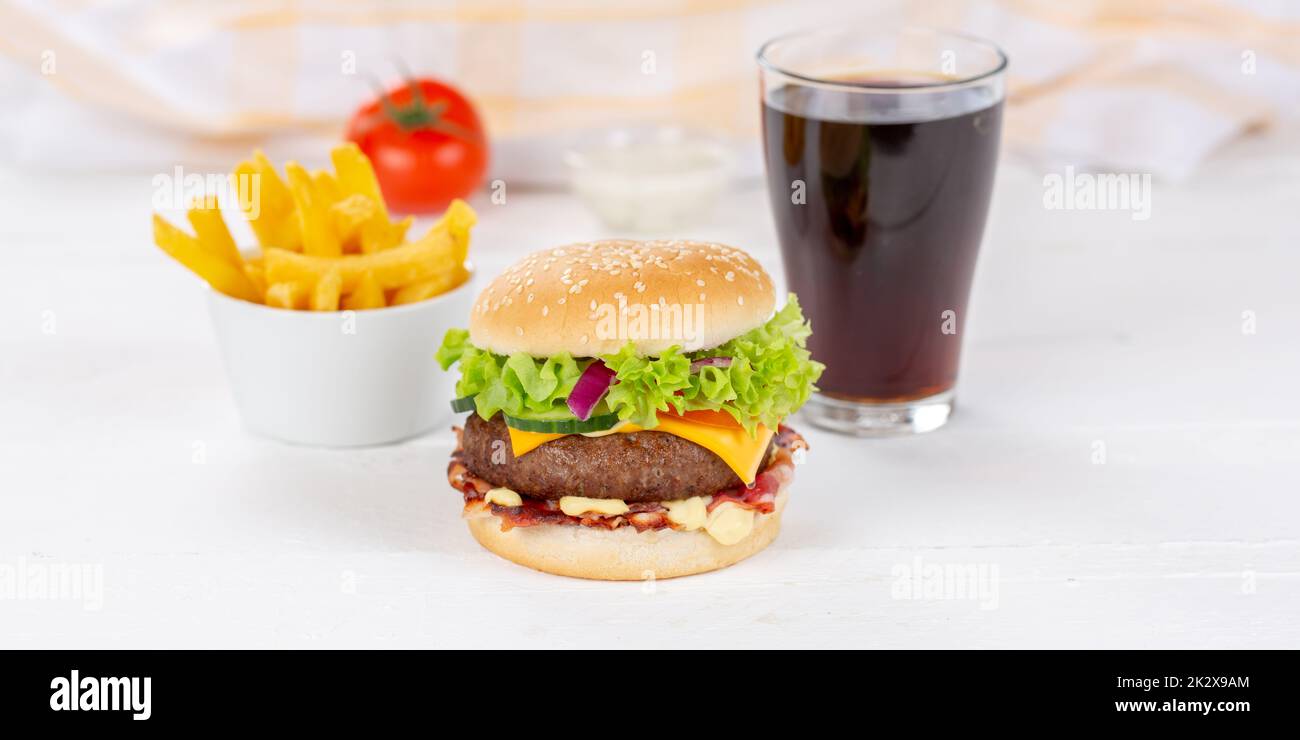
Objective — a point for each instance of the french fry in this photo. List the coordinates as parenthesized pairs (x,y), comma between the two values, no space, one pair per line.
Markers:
(349,214)
(378,234)
(362,228)
(220,274)
(267,204)
(356,176)
(367,295)
(256,273)
(325,297)
(431,255)
(460,219)
(425,289)
(210,229)
(318,237)
(274,190)
(325,185)
(290,295)
(457,221)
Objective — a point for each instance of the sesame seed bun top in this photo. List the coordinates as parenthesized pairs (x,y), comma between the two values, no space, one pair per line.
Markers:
(593,298)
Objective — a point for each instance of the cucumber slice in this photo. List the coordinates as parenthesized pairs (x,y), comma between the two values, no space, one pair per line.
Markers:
(559,421)
(570,425)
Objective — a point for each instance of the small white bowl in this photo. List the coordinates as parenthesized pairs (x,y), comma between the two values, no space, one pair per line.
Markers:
(651,179)
(341,378)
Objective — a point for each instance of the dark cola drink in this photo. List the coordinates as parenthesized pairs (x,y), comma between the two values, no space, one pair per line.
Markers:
(880,186)
(882,243)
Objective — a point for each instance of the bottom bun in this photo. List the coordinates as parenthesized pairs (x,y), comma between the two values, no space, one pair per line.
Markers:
(622,554)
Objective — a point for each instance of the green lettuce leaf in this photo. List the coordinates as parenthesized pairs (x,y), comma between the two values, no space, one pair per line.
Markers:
(770,376)
(519,384)
(646,385)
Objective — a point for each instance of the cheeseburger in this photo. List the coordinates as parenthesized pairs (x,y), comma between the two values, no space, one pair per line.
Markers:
(626,404)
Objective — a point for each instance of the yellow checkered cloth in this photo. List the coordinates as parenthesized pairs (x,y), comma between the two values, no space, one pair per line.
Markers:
(1152,85)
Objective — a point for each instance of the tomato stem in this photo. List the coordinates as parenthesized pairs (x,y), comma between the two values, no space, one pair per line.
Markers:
(420,114)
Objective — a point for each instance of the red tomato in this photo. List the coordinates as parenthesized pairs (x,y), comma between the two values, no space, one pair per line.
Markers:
(426,144)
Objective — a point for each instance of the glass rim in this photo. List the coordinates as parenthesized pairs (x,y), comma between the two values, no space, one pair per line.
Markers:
(766,62)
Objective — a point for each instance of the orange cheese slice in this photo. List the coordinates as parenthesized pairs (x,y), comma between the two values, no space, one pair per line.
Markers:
(525,442)
(733,445)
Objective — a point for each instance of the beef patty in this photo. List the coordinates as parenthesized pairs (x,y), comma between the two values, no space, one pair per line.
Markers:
(636,466)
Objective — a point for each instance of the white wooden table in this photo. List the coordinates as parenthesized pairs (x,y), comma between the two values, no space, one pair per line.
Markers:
(1123,469)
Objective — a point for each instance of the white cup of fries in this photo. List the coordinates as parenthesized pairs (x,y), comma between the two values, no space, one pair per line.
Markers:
(329,329)
(343,378)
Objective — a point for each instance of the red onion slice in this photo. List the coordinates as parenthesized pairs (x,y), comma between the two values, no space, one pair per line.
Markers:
(592,386)
(710,362)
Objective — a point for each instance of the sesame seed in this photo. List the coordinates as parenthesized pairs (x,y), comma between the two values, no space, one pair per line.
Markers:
(546,310)
(700,283)
(740,299)
(730,276)
(519,330)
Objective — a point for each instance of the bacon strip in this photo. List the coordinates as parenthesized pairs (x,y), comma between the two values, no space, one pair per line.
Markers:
(761,496)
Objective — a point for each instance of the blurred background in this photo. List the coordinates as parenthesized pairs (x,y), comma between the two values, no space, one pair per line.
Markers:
(142,85)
